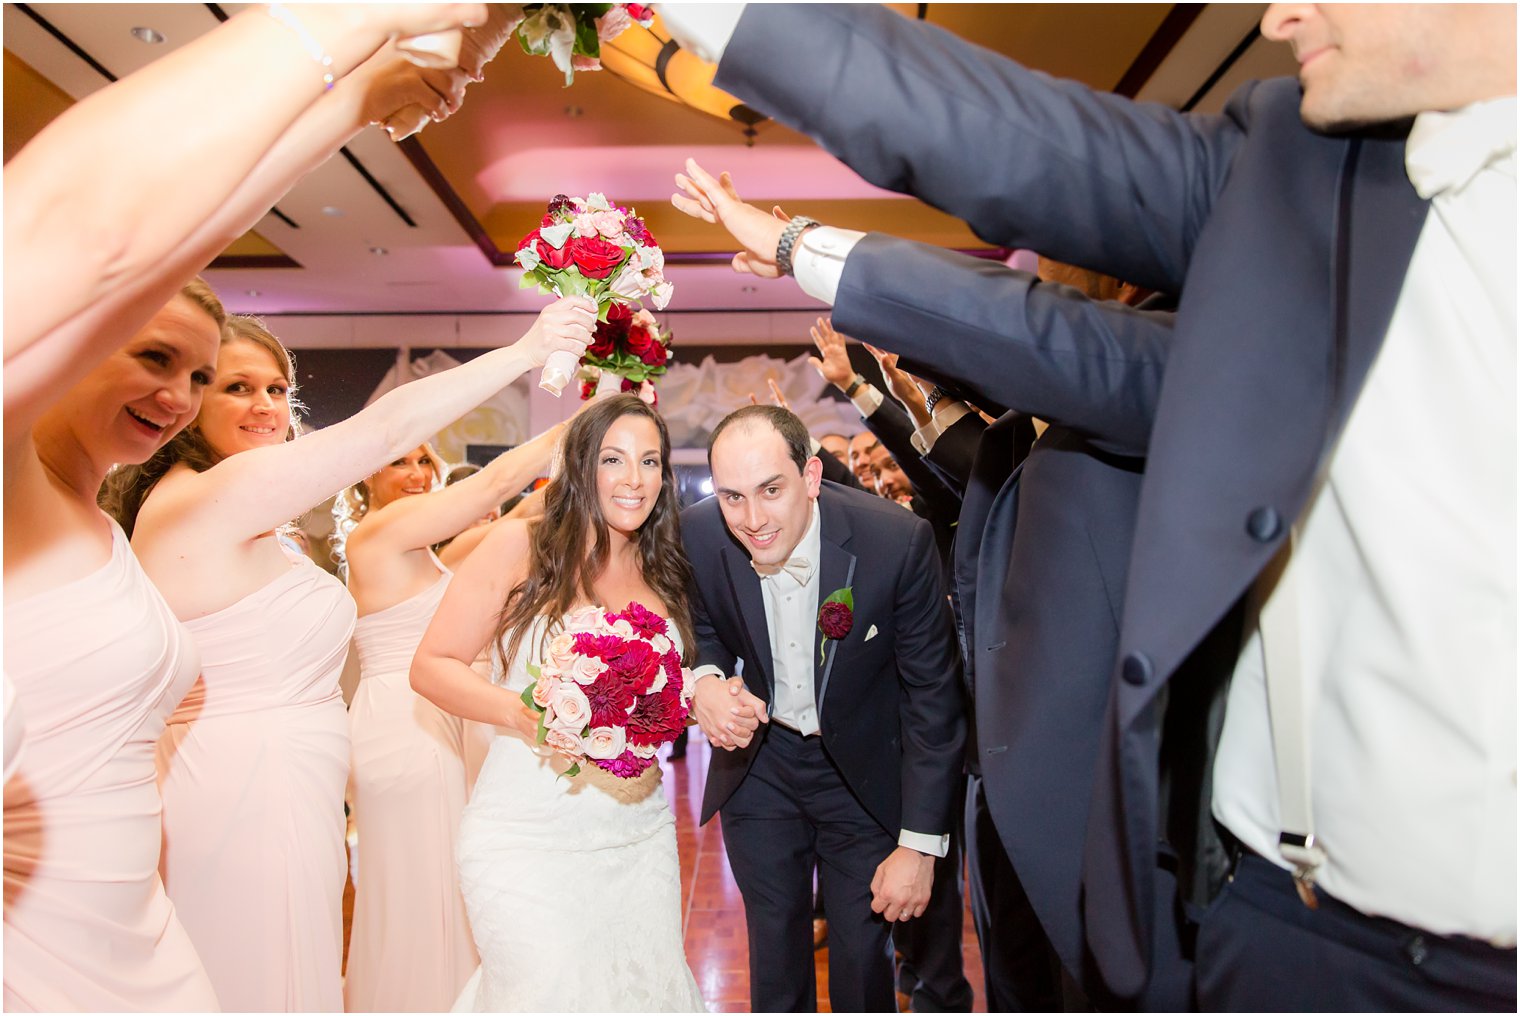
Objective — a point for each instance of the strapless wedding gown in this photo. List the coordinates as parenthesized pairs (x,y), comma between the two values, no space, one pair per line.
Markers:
(573,886)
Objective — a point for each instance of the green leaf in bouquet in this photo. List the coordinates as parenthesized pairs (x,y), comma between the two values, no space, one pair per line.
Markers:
(527,699)
(570,282)
(534,670)
(586,41)
(574,770)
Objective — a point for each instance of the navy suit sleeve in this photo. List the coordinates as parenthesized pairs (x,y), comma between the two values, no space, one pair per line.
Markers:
(894,428)
(710,649)
(1026,160)
(933,709)
(954,451)
(1000,334)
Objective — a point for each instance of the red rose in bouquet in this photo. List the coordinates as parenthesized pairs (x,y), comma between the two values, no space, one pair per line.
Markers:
(656,355)
(594,256)
(639,340)
(556,259)
(610,332)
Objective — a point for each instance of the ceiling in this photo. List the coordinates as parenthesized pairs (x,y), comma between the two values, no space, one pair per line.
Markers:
(421,227)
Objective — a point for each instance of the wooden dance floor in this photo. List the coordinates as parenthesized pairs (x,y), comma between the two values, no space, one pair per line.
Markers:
(716,945)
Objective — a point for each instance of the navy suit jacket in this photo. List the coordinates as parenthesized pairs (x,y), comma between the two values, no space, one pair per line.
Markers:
(1289,249)
(890,705)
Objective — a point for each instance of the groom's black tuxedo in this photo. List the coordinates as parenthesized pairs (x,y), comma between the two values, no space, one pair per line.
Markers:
(887,756)
(890,707)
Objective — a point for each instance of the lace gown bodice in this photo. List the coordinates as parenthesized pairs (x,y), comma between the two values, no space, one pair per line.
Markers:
(572,884)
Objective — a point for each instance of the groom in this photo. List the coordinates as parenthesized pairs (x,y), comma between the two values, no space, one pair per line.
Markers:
(844,736)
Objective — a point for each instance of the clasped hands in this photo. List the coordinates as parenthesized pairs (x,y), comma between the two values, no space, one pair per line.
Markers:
(727,711)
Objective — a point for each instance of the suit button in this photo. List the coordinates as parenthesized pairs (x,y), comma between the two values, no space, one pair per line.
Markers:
(1136,669)
(1264,524)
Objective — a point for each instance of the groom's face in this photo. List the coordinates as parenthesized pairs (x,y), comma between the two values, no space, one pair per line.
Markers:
(767,501)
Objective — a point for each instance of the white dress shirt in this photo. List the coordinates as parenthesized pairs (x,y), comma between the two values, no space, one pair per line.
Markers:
(1405,572)
(791,616)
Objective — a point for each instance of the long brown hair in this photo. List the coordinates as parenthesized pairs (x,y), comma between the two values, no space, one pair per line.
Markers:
(353,503)
(566,555)
(128,486)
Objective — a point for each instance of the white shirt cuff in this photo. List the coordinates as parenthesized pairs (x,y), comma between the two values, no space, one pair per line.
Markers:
(706,670)
(943,419)
(924,843)
(702,29)
(818,260)
(867,400)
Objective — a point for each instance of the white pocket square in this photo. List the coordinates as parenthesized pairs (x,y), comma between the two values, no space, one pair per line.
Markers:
(871,634)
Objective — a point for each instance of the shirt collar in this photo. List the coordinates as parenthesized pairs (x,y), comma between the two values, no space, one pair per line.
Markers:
(1446,150)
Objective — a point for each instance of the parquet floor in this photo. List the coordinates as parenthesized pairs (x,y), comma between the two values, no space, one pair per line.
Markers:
(716,944)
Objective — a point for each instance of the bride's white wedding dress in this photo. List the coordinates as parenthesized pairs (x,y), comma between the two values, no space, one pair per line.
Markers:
(573,886)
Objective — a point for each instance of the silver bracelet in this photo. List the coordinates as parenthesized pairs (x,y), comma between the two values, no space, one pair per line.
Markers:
(789,240)
(309,42)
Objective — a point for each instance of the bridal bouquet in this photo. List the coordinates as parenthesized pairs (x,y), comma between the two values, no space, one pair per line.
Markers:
(588,247)
(572,34)
(610,690)
(630,345)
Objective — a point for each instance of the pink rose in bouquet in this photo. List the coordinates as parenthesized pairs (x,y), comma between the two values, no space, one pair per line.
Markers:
(572,34)
(610,690)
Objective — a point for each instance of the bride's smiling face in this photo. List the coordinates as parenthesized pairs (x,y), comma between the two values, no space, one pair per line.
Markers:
(628,472)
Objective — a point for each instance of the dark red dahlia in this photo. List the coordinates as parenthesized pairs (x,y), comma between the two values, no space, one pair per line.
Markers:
(836,620)
(627,765)
(610,696)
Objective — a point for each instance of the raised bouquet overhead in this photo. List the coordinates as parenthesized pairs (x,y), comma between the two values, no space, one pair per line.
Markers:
(610,690)
(572,34)
(589,247)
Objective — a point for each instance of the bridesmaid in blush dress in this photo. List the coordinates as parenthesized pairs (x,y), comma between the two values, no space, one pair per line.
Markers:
(98,661)
(254,763)
(107,355)
(411,760)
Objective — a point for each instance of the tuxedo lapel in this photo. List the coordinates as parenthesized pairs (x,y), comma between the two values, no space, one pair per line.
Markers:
(745,584)
(836,571)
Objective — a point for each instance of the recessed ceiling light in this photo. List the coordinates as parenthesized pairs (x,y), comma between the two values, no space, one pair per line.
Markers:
(148,35)
(332,210)
(254,292)
(574,112)
(749,289)
(379,251)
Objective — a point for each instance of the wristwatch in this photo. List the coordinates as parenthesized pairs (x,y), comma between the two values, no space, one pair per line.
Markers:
(932,399)
(788,241)
(854,386)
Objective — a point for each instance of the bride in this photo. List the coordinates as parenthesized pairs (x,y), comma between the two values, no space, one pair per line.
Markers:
(572,885)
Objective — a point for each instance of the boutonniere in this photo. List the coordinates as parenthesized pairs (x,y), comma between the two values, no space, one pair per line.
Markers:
(835,618)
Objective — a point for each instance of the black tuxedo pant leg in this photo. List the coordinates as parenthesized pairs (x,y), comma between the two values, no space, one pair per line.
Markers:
(933,970)
(792,811)
(1020,967)
(1260,948)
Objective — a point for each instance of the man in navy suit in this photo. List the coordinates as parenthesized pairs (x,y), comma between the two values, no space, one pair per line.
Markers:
(862,721)
(1338,268)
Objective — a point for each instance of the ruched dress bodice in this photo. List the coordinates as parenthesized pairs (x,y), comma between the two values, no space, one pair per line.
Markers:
(98,664)
(253,767)
(411,780)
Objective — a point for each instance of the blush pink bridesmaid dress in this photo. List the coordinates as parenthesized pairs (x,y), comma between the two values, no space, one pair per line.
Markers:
(97,664)
(411,948)
(252,768)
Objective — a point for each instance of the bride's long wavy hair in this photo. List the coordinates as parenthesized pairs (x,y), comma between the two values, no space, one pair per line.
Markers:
(569,547)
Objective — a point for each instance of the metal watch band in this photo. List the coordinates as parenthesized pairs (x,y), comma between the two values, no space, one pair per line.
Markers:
(932,399)
(789,240)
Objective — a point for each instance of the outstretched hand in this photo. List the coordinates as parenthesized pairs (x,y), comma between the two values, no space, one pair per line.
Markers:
(714,199)
(902,384)
(835,365)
